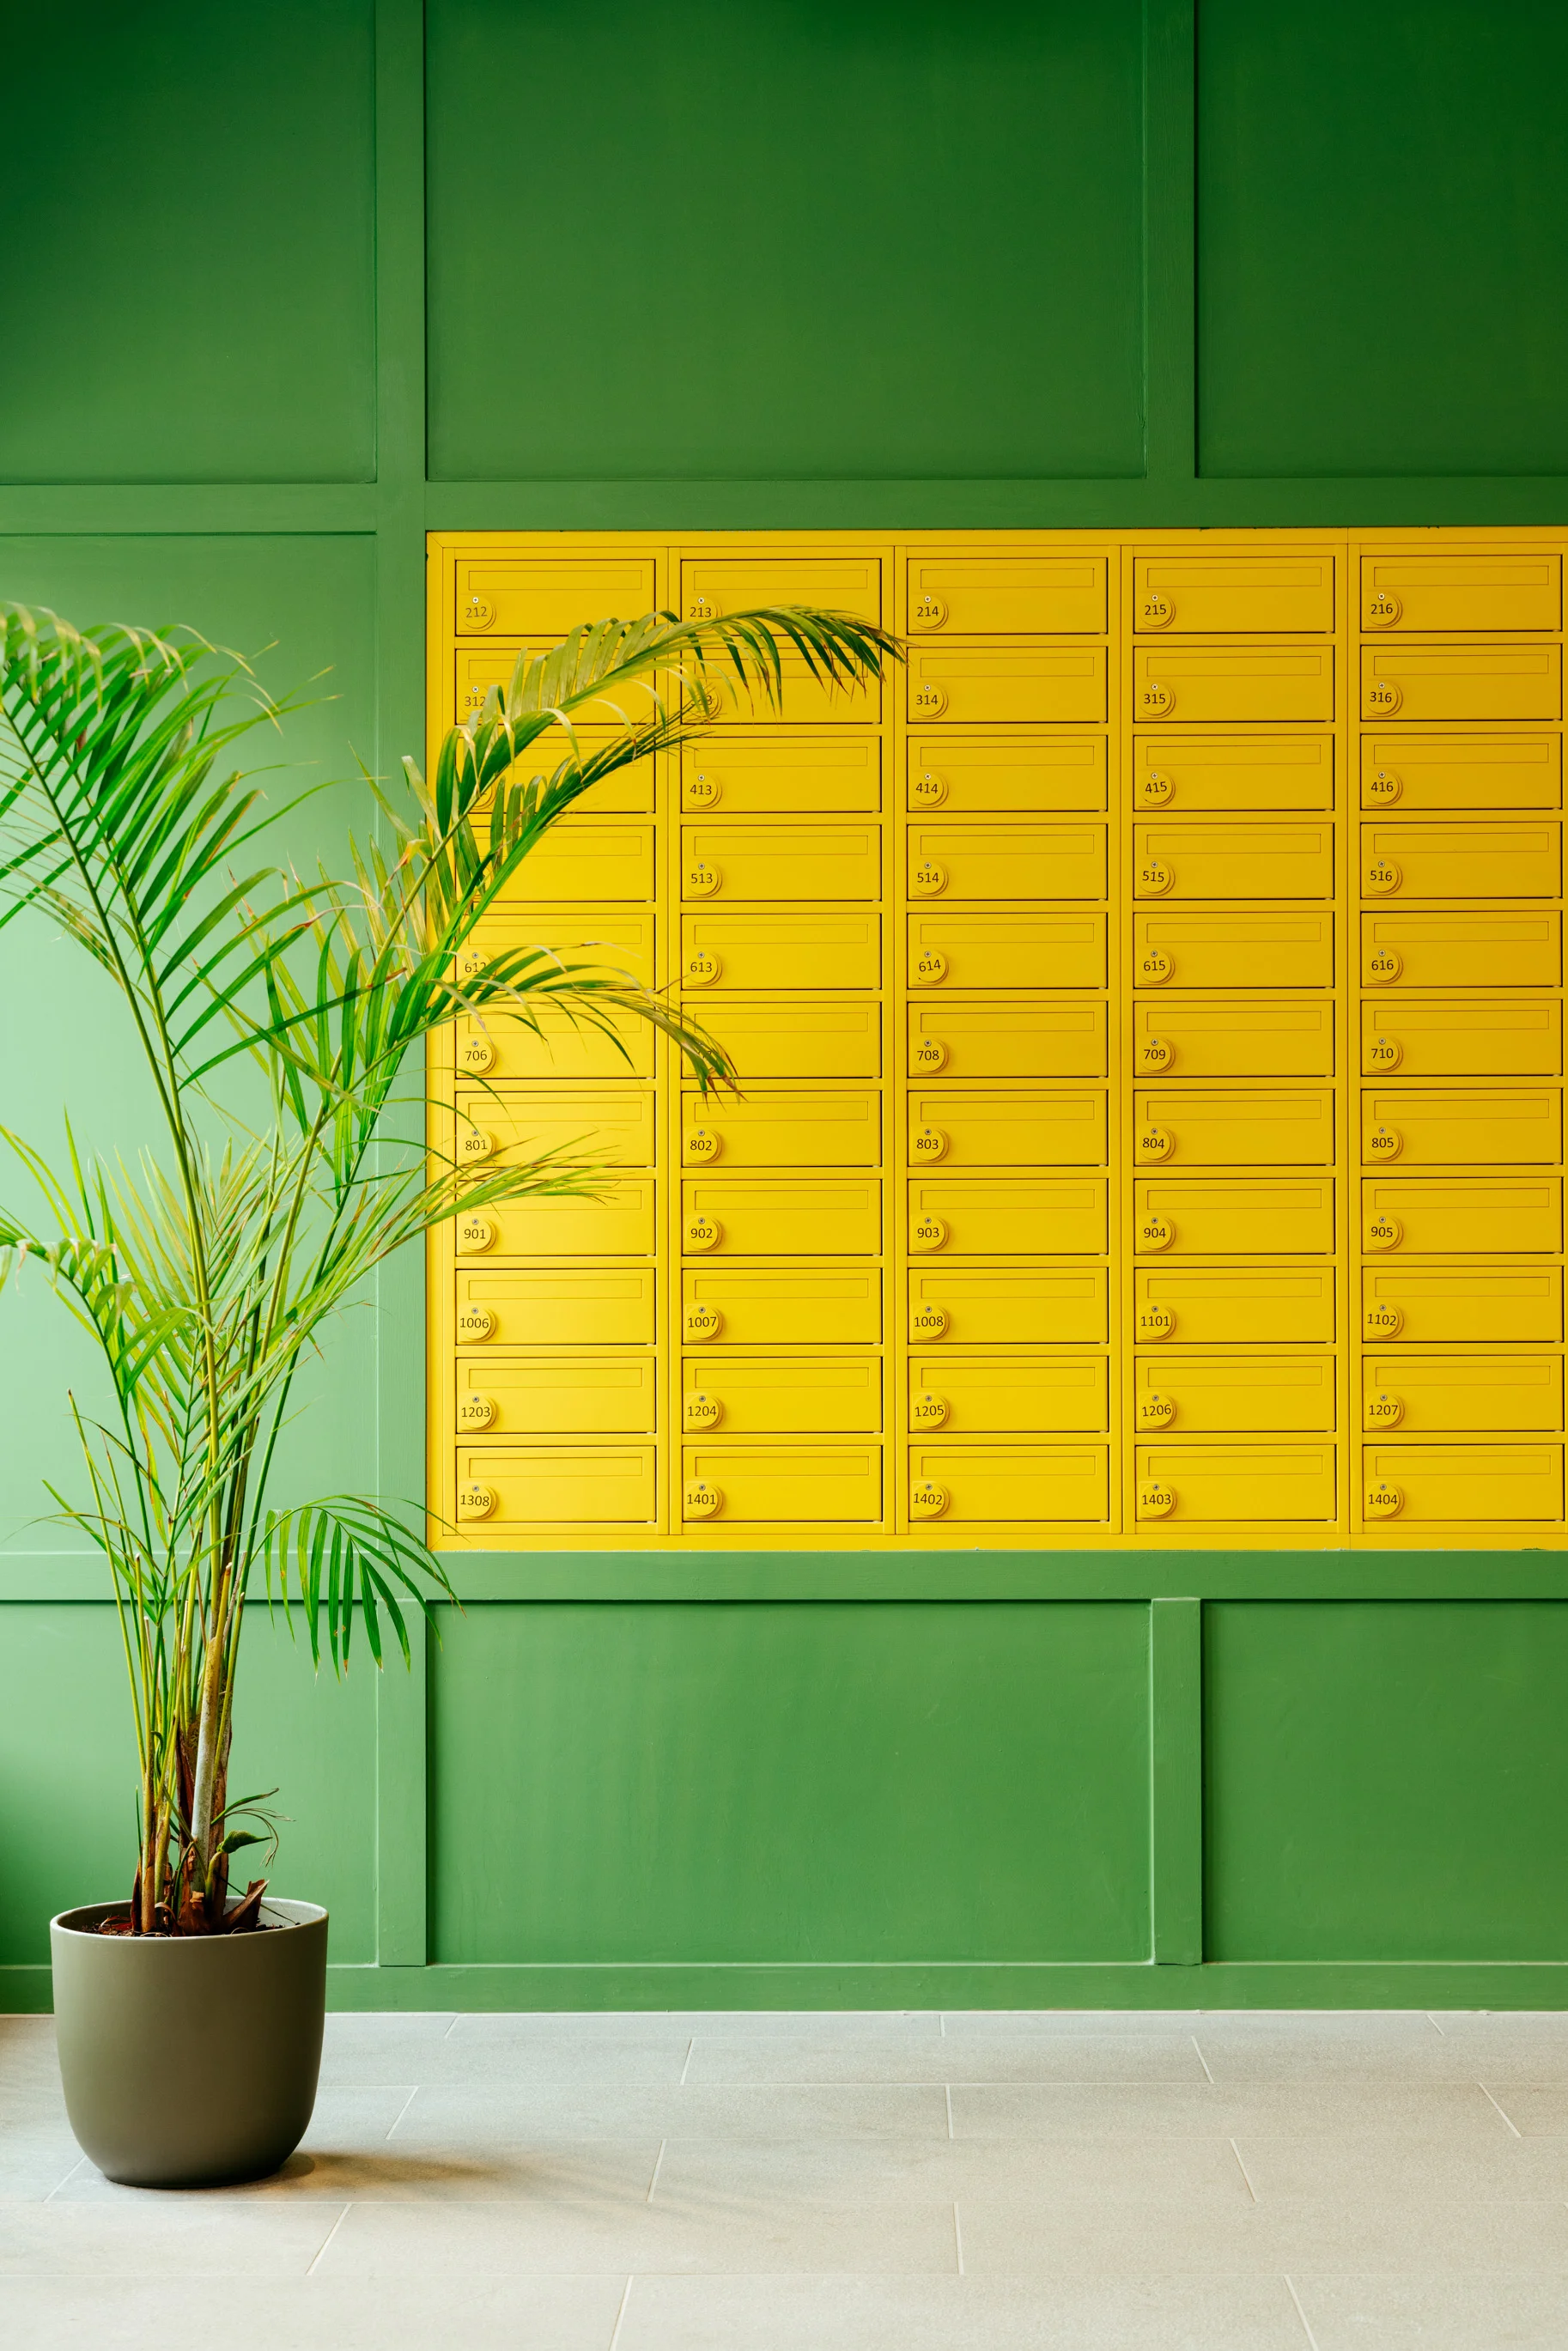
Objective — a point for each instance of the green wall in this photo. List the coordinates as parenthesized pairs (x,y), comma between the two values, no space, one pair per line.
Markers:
(318,276)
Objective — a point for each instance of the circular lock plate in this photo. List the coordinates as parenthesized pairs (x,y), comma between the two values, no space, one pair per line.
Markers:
(1383,1410)
(1155,791)
(1155,1322)
(702,1232)
(1383,1232)
(1382,1320)
(477,1055)
(701,879)
(1155,1411)
(703,1146)
(1155,1499)
(475,1411)
(702,1322)
(1157,610)
(928,880)
(1154,967)
(478,613)
(474,1325)
(1155,1143)
(1384,1053)
(1156,1231)
(927,790)
(1381,609)
(928,1322)
(927,613)
(474,1234)
(700,1499)
(926,1144)
(1156,1053)
(929,701)
(1383,1499)
(1384,1143)
(1156,701)
(475,1145)
(930,969)
(928,1233)
(1381,879)
(1383,698)
(703,791)
(926,1410)
(1153,877)
(474,1500)
(929,1055)
(1382,789)
(703,967)
(1383,966)
(700,1410)
(928,1499)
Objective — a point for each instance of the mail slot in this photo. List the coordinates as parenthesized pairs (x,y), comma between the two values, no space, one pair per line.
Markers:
(1005,1396)
(1010,861)
(1462,860)
(776,774)
(1244,1129)
(1225,1395)
(781,1396)
(558,1305)
(950,950)
(1015,1216)
(1462,1128)
(793,1305)
(558,1486)
(1008,685)
(762,1129)
(815,950)
(1421,1304)
(1433,1396)
(1233,861)
(1031,774)
(546,596)
(786,1037)
(596,864)
(1461,771)
(619,947)
(827,1217)
(1009,1485)
(969,1037)
(614,1127)
(816,862)
(1449,681)
(1175,949)
(1187,1216)
(782,1485)
(1273,1485)
(1234,1037)
(1006,1305)
(1017,1129)
(997,595)
(1417,591)
(1244,772)
(619,1224)
(1182,1305)
(1180,593)
(609,1395)
(499,1046)
(1462,1216)
(1495,1037)
(1253,684)
(1440,950)
(1482,1485)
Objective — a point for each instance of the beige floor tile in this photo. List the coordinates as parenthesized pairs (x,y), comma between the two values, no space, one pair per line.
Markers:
(992,2057)
(1521,2310)
(389,2175)
(1403,2164)
(313,2314)
(492,2065)
(1535,2109)
(547,2113)
(1010,2024)
(27,2060)
(826,2172)
(1045,2110)
(811,2313)
(631,2234)
(150,2235)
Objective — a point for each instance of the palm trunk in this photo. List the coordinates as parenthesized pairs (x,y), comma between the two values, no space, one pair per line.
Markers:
(205,1785)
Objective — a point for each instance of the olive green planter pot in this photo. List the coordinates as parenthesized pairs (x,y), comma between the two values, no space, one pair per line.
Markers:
(191,2059)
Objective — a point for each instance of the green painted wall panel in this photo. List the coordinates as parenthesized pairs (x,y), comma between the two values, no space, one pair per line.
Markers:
(67,1773)
(1383,238)
(186,283)
(814,1783)
(894,239)
(1387,1781)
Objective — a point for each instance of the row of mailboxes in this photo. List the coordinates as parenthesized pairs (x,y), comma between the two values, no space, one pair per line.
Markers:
(776,1485)
(988,592)
(616,1393)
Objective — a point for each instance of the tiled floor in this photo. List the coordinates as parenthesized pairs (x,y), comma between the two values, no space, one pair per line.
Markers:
(991,2182)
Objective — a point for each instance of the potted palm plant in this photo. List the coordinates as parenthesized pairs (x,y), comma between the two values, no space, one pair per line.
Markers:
(190,2012)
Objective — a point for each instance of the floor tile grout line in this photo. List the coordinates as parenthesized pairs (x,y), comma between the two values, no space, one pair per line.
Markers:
(65,2180)
(403,2109)
(1202,2059)
(1435,2025)
(1300,2313)
(327,2240)
(1236,2151)
(685,2069)
(615,2330)
(959,2237)
(658,2166)
(947,2094)
(1508,2118)
(453,2026)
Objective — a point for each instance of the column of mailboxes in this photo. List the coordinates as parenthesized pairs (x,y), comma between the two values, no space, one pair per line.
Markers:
(1232,1315)
(1005,917)
(557,1308)
(1459,965)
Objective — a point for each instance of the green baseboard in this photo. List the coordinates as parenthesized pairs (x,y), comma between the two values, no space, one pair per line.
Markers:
(878,1984)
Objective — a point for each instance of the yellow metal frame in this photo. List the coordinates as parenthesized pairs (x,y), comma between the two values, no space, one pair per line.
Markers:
(1493,1487)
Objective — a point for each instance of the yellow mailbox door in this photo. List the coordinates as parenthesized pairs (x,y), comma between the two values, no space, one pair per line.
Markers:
(1458,1216)
(1270,1484)
(785,773)
(1173,949)
(557,1486)
(747,1216)
(1254,685)
(975,1039)
(1233,861)
(1233,1037)
(956,1128)
(507,1126)
(619,946)
(1461,771)
(1009,1485)
(1482,1485)
(1254,1127)
(1006,861)
(1462,1305)
(1441,949)
(1450,682)
(1505,1126)
(965,1304)
(988,594)
(1005,1396)
(1462,860)
(624,1223)
(816,863)
(1177,1304)
(788,1305)
(589,862)
(556,1305)
(1011,1216)
(1181,593)
(609,1393)
(544,596)
(1007,685)
(782,1485)
(1496,1036)
(1002,774)
(1224,1395)
(805,950)
(1409,593)
(1427,1395)
(780,1396)
(1186,1215)
(1245,773)
(781,1037)
(773,1128)
(495,1045)
(949,951)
